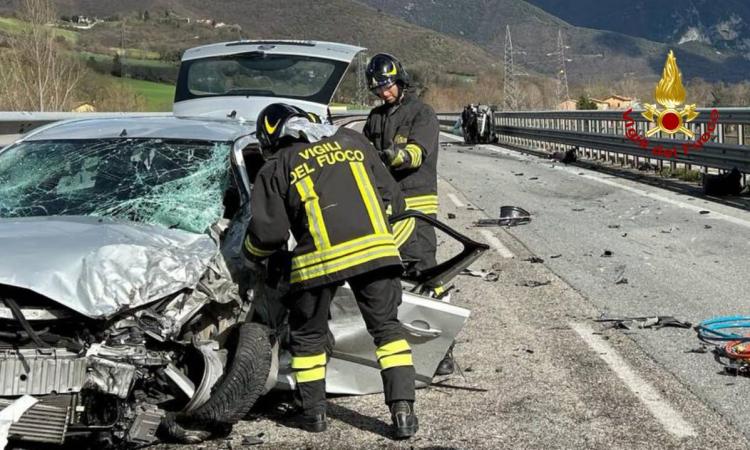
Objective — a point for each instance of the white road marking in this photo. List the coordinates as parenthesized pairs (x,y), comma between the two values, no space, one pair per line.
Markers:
(455,200)
(593,176)
(496,244)
(670,419)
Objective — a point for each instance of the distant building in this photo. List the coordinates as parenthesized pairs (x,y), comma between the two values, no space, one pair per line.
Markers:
(600,104)
(567,105)
(619,102)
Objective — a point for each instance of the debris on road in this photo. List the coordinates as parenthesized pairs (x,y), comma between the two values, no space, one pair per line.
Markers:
(253,440)
(556,256)
(614,227)
(451,216)
(534,178)
(607,253)
(579,209)
(707,227)
(645,322)
(703,211)
(534,260)
(534,283)
(566,157)
(483,274)
(509,216)
(620,274)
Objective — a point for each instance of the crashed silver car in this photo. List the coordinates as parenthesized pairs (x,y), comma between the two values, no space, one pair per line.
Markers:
(126,315)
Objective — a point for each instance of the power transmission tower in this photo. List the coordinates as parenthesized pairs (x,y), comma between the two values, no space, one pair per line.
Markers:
(562,93)
(361,78)
(510,87)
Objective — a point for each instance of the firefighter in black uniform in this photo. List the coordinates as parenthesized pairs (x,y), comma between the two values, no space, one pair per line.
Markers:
(406,133)
(331,194)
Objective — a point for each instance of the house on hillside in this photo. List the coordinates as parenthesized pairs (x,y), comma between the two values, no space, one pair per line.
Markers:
(619,102)
(600,104)
(567,105)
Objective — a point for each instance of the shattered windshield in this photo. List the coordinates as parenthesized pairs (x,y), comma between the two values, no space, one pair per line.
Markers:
(176,184)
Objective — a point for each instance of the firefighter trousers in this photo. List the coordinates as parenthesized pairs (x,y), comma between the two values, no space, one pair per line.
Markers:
(378,294)
(422,246)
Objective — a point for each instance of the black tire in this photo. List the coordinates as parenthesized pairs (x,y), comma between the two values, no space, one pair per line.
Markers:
(242,384)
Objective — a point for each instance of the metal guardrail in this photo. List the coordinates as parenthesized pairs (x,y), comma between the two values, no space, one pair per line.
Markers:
(602,135)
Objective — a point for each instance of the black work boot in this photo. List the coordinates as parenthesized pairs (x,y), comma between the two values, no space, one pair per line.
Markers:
(310,422)
(405,423)
(447,365)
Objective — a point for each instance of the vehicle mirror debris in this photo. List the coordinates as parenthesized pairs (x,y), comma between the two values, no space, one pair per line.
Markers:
(509,216)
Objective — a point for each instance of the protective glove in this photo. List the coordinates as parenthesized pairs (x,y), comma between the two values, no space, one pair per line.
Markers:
(393,157)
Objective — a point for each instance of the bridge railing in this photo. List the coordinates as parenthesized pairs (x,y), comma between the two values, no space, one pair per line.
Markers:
(603,135)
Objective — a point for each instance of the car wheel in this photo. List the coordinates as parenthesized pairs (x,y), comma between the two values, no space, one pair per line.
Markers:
(234,394)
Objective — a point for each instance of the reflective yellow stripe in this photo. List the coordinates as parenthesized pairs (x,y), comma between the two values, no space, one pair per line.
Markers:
(387,362)
(369,197)
(402,230)
(255,251)
(308,375)
(416,154)
(392,348)
(427,204)
(342,249)
(426,209)
(308,362)
(355,259)
(421,200)
(315,221)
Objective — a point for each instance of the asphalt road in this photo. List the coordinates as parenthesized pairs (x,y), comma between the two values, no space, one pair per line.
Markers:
(537,371)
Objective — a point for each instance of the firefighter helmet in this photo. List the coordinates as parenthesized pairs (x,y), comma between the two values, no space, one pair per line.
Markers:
(311,116)
(270,125)
(384,70)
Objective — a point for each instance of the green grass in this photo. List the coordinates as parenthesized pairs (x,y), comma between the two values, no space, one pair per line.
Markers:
(15,26)
(158,97)
(143,62)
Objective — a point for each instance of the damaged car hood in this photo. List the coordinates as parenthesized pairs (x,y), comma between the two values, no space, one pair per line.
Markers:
(99,266)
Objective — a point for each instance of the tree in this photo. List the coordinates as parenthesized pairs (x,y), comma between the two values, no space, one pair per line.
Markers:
(585,103)
(116,66)
(37,74)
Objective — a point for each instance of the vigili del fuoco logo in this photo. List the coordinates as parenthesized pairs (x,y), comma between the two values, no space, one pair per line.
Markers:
(670,94)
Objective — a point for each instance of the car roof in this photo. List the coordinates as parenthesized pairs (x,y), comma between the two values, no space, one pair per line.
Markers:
(165,127)
(315,49)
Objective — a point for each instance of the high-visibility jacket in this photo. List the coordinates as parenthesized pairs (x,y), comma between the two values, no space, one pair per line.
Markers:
(333,195)
(411,130)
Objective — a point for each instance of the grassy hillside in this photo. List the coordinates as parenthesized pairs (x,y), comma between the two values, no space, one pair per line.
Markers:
(157,96)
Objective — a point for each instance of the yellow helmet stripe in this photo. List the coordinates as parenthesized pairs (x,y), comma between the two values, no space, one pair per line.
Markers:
(269,128)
